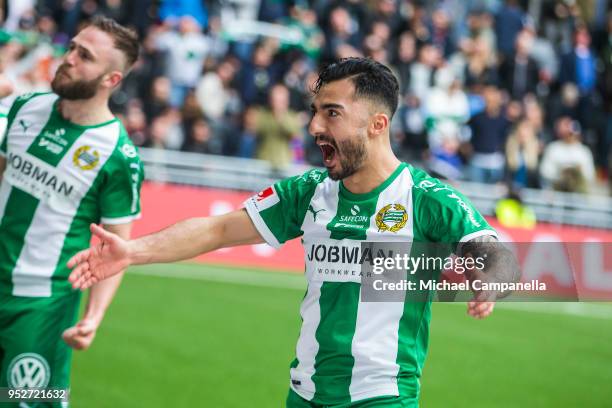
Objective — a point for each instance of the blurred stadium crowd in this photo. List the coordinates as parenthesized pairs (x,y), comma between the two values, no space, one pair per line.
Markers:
(491,90)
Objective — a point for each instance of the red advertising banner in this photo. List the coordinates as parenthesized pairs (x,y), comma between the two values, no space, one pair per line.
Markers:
(583,250)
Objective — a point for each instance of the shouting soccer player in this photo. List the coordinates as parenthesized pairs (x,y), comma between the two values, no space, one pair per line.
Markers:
(349,352)
(65,162)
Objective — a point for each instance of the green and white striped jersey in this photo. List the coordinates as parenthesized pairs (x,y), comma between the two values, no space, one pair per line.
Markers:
(59,178)
(349,350)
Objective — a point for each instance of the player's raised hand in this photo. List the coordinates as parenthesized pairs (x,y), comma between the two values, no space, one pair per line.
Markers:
(100,261)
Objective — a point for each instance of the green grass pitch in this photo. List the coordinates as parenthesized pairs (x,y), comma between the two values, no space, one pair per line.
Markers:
(189,335)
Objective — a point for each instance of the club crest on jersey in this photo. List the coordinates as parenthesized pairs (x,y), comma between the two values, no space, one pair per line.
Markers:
(29,370)
(85,158)
(392,217)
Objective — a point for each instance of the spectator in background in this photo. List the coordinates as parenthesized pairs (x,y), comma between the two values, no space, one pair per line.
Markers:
(342,34)
(305,20)
(159,98)
(165,131)
(247,147)
(158,131)
(565,104)
(214,91)
(522,155)
(489,131)
(543,53)
(402,62)
(259,74)
(276,127)
(149,66)
(446,102)
(480,27)
(444,159)
(534,114)
(387,11)
(440,31)
(508,23)
(296,82)
(136,122)
(480,69)
(519,72)
(422,72)
(199,138)
(567,164)
(579,67)
(186,50)
(377,42)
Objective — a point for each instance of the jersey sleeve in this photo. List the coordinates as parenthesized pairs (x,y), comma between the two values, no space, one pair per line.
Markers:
(447,216)
(279,210)
(120,194)
(9,117)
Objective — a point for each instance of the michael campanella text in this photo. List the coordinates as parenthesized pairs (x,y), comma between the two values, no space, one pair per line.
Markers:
(478,285)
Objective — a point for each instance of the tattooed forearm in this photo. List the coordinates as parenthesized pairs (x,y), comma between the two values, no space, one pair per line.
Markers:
(500,264)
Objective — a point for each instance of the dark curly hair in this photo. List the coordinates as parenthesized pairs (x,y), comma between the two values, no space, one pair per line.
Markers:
(372,80)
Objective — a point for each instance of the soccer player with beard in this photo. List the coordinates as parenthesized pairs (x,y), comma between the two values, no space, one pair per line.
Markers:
(66,161)
(349,352)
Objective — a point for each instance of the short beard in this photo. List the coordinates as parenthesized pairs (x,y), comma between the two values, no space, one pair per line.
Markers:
(354,154)
(75,90)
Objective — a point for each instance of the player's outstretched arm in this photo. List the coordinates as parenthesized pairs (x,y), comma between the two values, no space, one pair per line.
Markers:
(183,240)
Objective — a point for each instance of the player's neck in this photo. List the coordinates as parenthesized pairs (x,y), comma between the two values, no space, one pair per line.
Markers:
(86,112)
(379,167)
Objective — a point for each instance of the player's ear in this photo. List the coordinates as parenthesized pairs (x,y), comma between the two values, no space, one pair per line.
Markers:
(113,79)
(379,123)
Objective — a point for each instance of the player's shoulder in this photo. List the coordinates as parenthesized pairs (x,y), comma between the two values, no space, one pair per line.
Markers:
(125,153)
(313,176)
(32,99)
(425,184)
(308,179)
(436,200)
(430,189)
(28,96)
(302,184)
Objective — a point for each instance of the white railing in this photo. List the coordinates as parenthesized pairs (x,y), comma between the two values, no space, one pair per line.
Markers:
(253,175)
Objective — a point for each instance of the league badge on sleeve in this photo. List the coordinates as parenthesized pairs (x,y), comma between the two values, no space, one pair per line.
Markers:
(265,199)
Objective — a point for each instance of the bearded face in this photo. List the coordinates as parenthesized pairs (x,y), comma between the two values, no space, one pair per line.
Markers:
(344,158)
(74,89)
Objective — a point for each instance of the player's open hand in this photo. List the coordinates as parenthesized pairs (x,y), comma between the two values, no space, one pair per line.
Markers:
(81,335)
(99,262)
(483,303)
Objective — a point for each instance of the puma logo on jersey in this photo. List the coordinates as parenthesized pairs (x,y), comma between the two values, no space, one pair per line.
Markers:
(24,125)
(314,213)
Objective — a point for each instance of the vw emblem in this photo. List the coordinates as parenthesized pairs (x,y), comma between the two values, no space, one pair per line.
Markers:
(28,370)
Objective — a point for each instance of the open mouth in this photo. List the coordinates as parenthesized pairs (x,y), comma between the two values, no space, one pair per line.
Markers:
(329,152)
